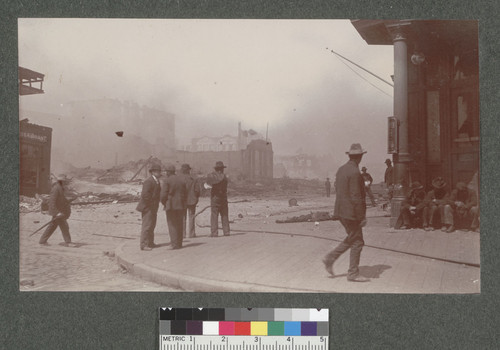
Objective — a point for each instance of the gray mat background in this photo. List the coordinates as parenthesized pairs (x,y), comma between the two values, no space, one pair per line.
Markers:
(41,320)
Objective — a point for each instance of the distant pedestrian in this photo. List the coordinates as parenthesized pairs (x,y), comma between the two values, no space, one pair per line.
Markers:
(389,178)
(350,208)
(218,200)
(368,180)
(148,206)
(60,209)
(173,197)
(328,187)
(193,194)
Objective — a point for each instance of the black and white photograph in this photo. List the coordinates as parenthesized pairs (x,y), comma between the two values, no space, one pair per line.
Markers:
(249,155)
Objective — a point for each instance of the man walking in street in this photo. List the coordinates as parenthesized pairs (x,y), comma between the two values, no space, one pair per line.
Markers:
(173,197)
(218,200)
(350,208)
(193,194)
(328,187)
(367,178)
(148,206)
(60,209)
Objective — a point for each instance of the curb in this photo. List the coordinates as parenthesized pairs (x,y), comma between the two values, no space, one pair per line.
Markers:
(191,283)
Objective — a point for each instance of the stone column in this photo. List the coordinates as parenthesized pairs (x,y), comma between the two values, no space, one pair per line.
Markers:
(402,158)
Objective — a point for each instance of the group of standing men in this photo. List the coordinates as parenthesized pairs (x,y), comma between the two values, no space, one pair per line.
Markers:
(179,194)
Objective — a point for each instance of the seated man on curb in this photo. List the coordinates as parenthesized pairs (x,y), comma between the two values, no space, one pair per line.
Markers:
(438,204)
(412,208)
(466,211)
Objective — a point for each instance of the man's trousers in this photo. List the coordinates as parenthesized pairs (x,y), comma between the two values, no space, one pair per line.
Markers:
(354,241)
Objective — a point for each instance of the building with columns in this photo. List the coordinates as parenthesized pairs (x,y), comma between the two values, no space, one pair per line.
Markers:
(436,100)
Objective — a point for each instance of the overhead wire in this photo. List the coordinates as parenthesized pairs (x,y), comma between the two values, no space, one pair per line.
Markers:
(342,58)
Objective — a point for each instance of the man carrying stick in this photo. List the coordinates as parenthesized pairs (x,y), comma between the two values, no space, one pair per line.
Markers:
(60,209)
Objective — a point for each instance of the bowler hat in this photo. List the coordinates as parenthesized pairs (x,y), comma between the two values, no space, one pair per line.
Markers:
(170,168)
(219,165)
(185,167)
(355,149)
(415,185)
(438,182)
(387,161)
(155,167)
(363,168)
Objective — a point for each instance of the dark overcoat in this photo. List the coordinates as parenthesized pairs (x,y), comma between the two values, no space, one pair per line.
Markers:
(150,195)
(58,202)
(350,193)
(193,189)
(467,196)
(174,193)
(218,194)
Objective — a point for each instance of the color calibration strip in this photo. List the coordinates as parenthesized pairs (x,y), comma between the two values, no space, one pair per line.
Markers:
(236,328)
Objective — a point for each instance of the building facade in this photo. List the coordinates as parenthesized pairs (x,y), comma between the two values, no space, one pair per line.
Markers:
(436,98)
(224,143)
(92,125)
(254,163)
(34,158)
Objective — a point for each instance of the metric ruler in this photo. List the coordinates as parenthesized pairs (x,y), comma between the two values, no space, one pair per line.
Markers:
(243,329)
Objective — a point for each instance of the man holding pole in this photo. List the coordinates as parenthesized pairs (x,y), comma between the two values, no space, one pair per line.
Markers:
(60,209)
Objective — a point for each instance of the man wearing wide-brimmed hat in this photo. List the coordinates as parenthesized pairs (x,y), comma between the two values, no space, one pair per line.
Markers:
(350,208)
(438,205)
(148,206)
(193,194)
(60,209)
(218,200)
(412,208)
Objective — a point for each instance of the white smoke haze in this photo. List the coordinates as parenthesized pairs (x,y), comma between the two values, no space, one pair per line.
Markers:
(212,74)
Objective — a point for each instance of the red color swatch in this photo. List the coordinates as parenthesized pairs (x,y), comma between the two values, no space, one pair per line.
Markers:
(242,328)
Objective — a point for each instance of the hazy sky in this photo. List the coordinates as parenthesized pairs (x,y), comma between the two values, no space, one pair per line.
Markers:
(213,73)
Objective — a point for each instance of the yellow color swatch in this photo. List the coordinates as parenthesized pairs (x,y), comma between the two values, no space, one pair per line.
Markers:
(258,328)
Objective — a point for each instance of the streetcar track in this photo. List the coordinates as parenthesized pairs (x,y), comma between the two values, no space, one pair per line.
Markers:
(366,245)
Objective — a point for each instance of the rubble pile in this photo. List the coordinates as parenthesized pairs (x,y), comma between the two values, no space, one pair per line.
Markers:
(92,198)
(87,173)
(249,188)
(132,170)
(30,204)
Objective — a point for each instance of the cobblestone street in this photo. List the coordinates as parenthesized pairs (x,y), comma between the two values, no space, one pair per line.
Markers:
(282,256)
(90,266)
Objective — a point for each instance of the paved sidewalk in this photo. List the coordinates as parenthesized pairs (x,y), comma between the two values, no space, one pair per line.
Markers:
(262,256)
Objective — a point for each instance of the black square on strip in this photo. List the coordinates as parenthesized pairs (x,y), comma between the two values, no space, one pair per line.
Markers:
(216,314)
(184,314)
(178,327)
(200,315)
(167,314)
